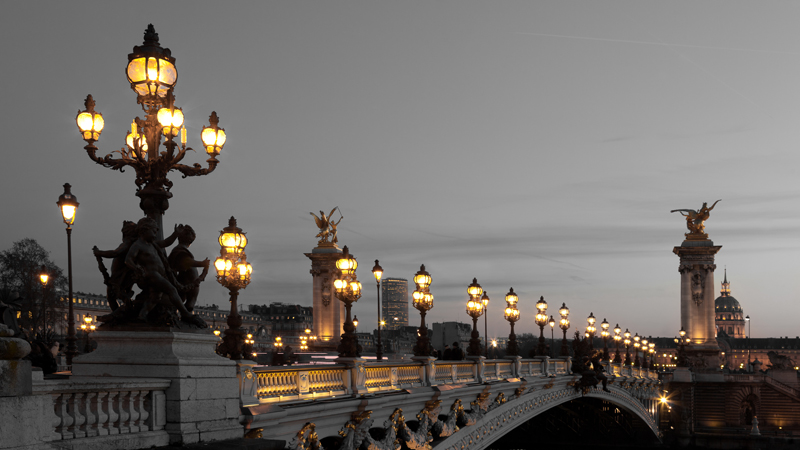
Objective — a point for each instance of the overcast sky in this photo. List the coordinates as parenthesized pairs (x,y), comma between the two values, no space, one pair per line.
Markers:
(539,145)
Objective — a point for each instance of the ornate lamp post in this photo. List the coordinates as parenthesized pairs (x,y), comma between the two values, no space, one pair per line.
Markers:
(43,277)
(355,323)
(87,327)
(682,341)
(423,301)
(617,339)
(511,314)
(627,343)
(636,344)
(68,204)
(590,329)
(485,303)
(746,318)
(644,354)
(348,291)
(605,334)
(564,324)
(377,270)
(474,309)
(152,74)
(541,320)
(233,273)
(652,353)
(552,323)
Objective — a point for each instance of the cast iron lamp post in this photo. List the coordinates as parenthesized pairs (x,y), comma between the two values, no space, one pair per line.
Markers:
(68,204)
(617,338)
(474,309)
(348,291)
(564,324)
(152,75)
(485,303)
(652,351)
(645,363)
(423,301)
(552,323)
(636,344)
(746,318)
(377,270)
(605,334)
(87,327)
(590,329)
(511,314)
(43,277)
(541,320)
(233,273)
(627,343)
(682,341)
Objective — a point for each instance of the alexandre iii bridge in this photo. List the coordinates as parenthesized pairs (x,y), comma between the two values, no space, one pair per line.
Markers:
(449,405)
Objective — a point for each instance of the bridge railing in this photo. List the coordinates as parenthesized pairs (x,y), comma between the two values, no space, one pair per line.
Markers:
(85,407)
(280,384)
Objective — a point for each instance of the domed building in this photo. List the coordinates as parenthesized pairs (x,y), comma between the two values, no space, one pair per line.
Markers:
(729,314)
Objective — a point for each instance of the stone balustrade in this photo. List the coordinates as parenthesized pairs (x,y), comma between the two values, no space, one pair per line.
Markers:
(106,412)
(287,384)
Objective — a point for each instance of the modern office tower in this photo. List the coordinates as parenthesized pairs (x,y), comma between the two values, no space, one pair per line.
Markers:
(394,298)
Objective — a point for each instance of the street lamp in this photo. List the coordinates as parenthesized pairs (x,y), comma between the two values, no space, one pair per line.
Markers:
(590,329)
(494,348)
(348,291)
(43,277)
(485,303)
(541,320)
(474,309)
(747,319)
(652,352)
(68,204)
(355,323)
(423,301)
(511,314)
(605,334)
(564,324)
(617,339)
(627,343)
(152,75)
(644,354)
(552,323)
(377,270)
(636,344)
(87,327)
(233,273)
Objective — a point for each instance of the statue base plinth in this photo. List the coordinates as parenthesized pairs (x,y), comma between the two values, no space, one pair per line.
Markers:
(203,399)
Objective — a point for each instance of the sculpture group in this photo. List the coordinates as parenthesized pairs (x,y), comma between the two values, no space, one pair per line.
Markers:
(695,220)
(169,284)
(327,226)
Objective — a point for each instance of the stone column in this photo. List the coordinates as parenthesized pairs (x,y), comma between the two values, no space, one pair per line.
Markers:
(328,310)
(697,300)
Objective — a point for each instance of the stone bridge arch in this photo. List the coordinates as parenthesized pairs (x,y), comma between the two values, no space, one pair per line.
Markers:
(502,420)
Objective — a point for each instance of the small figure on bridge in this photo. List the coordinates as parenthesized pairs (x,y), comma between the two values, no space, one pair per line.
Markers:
(458,354)
(597,365)
(447,354)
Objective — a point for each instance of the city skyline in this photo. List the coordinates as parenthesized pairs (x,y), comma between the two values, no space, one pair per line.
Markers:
(536,146)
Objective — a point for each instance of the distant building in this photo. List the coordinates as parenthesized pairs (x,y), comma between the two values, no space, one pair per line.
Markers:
(394,298)
(286,320)
(729,316)
(449,332)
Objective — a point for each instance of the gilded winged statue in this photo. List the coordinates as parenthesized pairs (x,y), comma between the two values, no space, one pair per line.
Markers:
(327,226)
(695,219)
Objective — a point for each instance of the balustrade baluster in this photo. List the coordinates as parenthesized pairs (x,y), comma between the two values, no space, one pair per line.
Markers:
(112,402)
(90,412)
(123,402)
(134,410)
(78,410)
(64,420)
(144,410)
(101,409)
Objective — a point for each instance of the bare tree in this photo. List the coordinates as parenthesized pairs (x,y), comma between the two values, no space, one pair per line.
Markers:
(20,267)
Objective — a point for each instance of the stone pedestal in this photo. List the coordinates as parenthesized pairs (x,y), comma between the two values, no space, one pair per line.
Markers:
(427,370)
(480,366)
(697,301)
(329,312)
(357,372)
(203,397)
